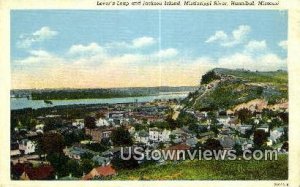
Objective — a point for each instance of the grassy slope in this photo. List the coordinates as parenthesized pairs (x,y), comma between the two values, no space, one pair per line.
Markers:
(279,78)
(230,93)
(211,170)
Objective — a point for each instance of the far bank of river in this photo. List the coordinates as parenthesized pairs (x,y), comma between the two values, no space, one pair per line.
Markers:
(20,103)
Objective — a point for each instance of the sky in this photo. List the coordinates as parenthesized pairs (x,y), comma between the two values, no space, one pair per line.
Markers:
(141,48)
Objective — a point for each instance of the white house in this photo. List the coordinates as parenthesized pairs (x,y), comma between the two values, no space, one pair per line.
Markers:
(247,145)
(39,127)
(158,135)
(154,134)
(102,122)
(141,137)
(131,130)
(243,128)
(164,136)
(276,133)
(79,123)
(264,128)
(224,120)
(26,146)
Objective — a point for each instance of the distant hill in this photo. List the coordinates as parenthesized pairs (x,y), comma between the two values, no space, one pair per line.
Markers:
(226,88)
(61,94)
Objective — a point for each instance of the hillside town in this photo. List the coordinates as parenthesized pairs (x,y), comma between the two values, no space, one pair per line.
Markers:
(85,143)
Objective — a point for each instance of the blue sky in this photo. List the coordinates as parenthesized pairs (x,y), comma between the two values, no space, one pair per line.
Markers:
(50,46)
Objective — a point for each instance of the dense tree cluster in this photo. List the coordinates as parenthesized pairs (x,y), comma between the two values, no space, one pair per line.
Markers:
(209,76)
(121,136)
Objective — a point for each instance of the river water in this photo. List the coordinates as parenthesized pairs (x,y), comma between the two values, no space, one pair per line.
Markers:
(20,103)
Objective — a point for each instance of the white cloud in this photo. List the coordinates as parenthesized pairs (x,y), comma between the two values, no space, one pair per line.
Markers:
(143,42)
(255,45)
(40,59)
(237,36)
(283,44)
(255,56)
(90,49)
(136,43)
(265,62)
(218,36)
(40,53)
(44,33)
(166,53)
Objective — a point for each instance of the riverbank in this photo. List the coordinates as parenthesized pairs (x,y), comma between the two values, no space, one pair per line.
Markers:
(21,103)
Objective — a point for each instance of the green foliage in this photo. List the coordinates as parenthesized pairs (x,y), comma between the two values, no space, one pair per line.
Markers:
(106,142)
(185,119)
(139,127)
(161,145)
(86,165)
(82,94)
(23,119)
(120,136)
(244,115)
(212,144)
(74,137)
(285,136)
(173,124)
(194,128)
(58,161)
(90,122)
(260,137)
(52,143)
(215,129)
(211,170)
(274,77)
(243,86)
(74,168)
(275,123)
(87,155)
(119,163)
(238,149)
(97,147)
(228,94)
(209,76)
(52,124)
(248,133)
(285,146)
(103,93)
(161,125)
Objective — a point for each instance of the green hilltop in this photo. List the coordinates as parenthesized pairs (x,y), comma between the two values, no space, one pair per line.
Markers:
(225,88)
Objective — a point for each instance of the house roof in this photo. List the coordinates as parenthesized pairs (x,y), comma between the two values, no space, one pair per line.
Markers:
(19,168)
(14,146)
(143,133)
(100,159)
(100,171)
(227,142)
(77,150)
(39,173)
(206,133)
(191,141)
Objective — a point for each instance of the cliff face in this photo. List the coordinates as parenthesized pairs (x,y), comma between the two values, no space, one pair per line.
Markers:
(226,89)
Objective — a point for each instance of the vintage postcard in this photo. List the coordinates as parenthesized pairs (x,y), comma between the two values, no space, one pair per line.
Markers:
(151,93)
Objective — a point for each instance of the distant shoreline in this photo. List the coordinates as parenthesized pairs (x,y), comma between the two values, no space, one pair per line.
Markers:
(71,94)
(21,103)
